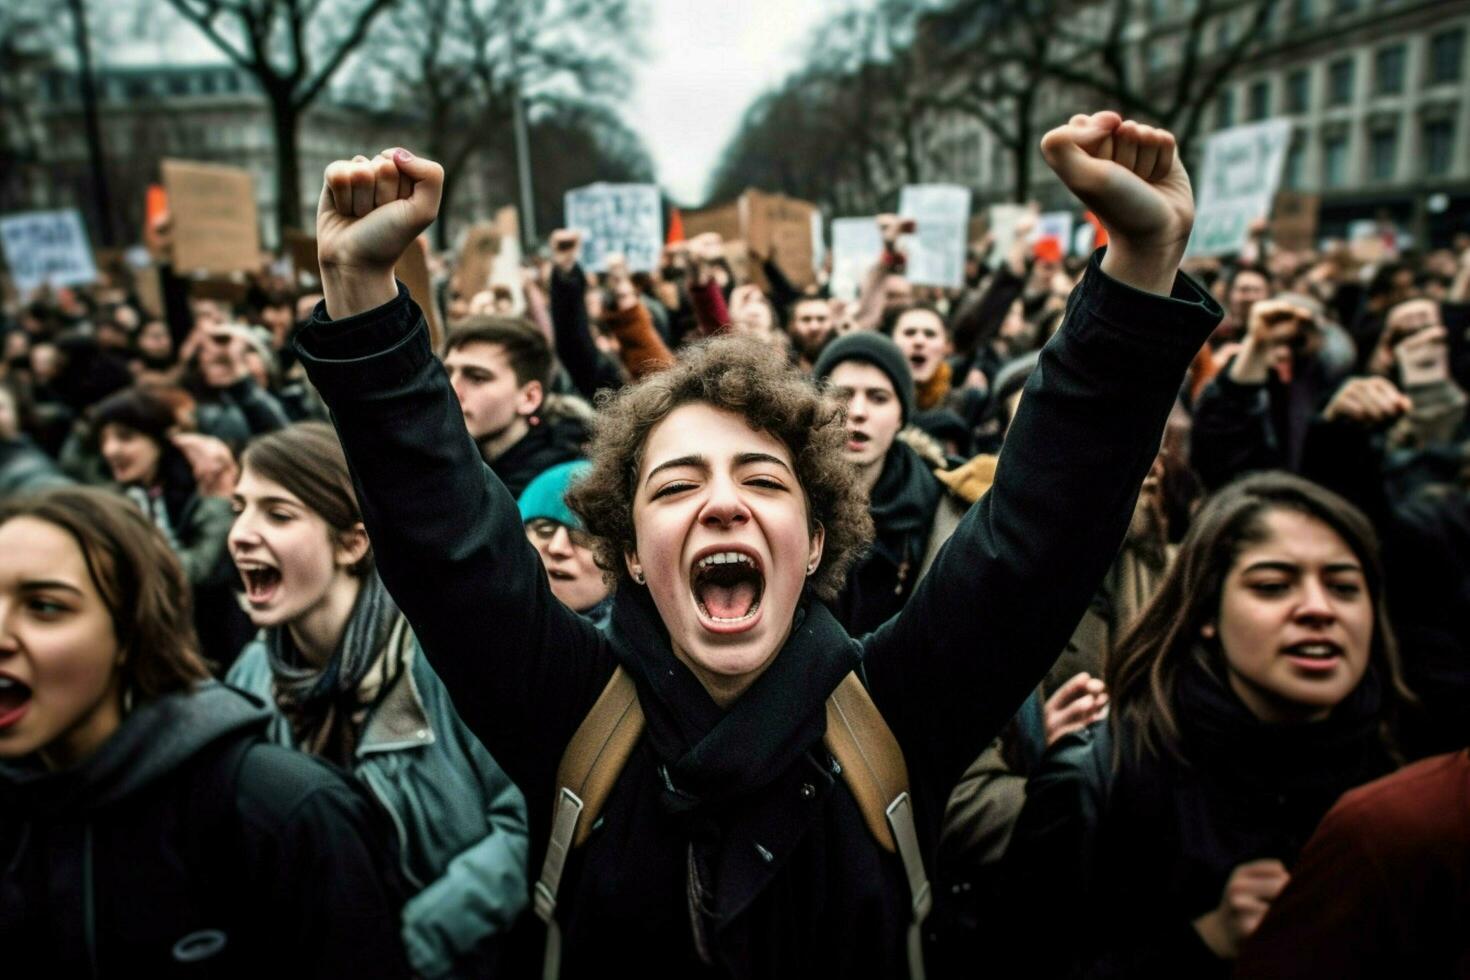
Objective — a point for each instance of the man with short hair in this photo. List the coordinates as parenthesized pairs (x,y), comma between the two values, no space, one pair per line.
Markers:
(498,367)
(811,328)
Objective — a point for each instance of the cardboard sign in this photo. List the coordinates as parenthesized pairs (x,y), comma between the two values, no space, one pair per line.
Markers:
(301,248)
(215,225)
(506,269)
(1241,172)
(476,259)
(723,220)
(617,219)
(46,248)
(780,227)
(936,250)
(856,245)
(1294,220)
(412,270)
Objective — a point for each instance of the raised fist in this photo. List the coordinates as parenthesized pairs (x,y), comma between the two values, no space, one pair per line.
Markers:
(566,247)
(1131,178)
(1369,401)
(370,212)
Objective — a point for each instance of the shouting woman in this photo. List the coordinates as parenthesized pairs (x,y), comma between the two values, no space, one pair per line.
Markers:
(721,502)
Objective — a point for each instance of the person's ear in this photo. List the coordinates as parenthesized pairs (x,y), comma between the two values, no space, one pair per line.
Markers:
(529,398)
(635,567)
(352,546)
(814,552)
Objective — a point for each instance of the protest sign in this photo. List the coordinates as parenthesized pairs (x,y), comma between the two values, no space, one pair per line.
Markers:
(476,258)
(780,228)
(215,227)
(856,245)
(301,247)
(1003,221)
(412,270)
(723,220)
(505,270)
(617,219)
(1294,220)
(1057,226)
(819,244)
(1241,172)
(46,248)
(936,250)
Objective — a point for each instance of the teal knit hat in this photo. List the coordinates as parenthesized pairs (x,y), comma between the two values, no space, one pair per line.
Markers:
(546,496)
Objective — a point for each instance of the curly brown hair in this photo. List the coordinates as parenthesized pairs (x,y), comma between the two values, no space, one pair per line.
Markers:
(748,378)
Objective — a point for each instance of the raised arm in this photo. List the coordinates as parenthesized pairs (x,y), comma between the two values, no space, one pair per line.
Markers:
(997,606)
(521,669)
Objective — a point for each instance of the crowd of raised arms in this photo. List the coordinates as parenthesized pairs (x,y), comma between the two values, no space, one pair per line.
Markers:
(1105,617)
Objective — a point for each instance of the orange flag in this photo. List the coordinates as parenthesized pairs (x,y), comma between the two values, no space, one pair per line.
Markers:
(676,227)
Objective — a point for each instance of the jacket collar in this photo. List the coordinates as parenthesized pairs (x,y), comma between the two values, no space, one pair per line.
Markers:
(400,720)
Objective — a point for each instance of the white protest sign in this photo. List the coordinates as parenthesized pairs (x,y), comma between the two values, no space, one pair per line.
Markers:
(1058,225)
(1003,219)
(46,247)
(621,219)
(1241,172)
(819,247)
(936,250)
(856,245)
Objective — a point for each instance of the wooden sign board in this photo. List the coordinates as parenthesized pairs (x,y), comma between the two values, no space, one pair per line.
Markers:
(780,227)
(215,224)
(1294,220)
(723,220)
(301,248)
(476,258)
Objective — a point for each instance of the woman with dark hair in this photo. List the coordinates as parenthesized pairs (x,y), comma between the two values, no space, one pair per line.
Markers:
(349,684)
(731,842)
(134,433)
(1256,687)
(145,828)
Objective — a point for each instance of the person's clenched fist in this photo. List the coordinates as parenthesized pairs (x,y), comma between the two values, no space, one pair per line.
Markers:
(1130,176)
(370,212)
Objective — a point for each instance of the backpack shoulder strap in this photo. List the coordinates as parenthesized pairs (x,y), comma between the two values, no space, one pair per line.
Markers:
(590,766)
(874,770)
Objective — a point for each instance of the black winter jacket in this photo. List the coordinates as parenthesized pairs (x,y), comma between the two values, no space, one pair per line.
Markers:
(187,847)
(729,845)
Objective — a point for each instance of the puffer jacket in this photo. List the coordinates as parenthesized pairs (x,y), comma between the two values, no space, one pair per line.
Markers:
(461,823)
(188,847)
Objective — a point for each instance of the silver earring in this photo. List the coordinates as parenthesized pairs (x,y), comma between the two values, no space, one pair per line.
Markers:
(638,576)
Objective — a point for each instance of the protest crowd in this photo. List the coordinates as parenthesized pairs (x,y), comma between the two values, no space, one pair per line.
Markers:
(1104,615)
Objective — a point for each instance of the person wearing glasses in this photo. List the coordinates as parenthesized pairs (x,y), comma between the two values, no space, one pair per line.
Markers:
(564,545)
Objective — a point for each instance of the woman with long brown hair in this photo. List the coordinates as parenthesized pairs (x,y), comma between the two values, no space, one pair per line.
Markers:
(145,827)
(1257,686)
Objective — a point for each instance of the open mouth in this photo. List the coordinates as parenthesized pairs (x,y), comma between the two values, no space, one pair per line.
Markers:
(261,583)
(557,575)
(15,697)
(727,588)
(857,441)
(1315,654)
(918,361)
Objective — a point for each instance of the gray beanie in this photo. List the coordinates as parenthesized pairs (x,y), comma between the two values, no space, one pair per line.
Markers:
(877,350)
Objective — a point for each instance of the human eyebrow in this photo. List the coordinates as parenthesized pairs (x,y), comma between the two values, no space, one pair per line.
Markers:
(746,459)
(1272,566)
(40,585)
(698,462)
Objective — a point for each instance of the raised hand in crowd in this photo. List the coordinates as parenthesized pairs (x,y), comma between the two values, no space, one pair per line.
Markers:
(213,464)
(566,248)
(369,212)
(1275,334)
(1073,706)
(1405,320)
(1244,903)
(705,252)
(1130,176)
(1371,402)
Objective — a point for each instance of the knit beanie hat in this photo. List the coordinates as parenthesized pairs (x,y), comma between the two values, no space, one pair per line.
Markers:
(546,495)
(877,350)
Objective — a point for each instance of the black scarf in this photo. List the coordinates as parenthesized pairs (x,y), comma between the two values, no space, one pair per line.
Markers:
(326,705)
(902,502)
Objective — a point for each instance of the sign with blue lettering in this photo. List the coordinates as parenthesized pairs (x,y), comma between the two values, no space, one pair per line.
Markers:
(46,248)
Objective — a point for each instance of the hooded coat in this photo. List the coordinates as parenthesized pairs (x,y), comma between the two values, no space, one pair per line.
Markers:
(186,847)
(730,845)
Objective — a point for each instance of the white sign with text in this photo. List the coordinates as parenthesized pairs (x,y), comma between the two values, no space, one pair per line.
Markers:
(1238,181)
(46,248)
(617,219)
(936,250)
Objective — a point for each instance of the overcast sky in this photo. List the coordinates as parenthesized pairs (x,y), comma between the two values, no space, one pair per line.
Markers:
(707,61)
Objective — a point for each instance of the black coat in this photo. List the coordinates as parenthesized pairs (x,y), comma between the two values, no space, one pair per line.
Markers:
(186,835)
(746,802)
(1144,845)
(549,442)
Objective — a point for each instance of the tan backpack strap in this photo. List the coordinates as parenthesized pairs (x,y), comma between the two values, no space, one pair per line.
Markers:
(590,766)
(872,763)
(876,775)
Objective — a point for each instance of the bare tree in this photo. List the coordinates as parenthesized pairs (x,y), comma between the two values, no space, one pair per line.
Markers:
(292,48)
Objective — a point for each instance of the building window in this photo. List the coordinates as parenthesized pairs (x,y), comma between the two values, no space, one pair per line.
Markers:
(1446,54)
(1388,70)
(1260,100)
(1439,147)
(1302,11)
(1299,91)
(1224,34)
(1334,161)
(1294,174)
(1340,82)
(1383,151)
(1225,109)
